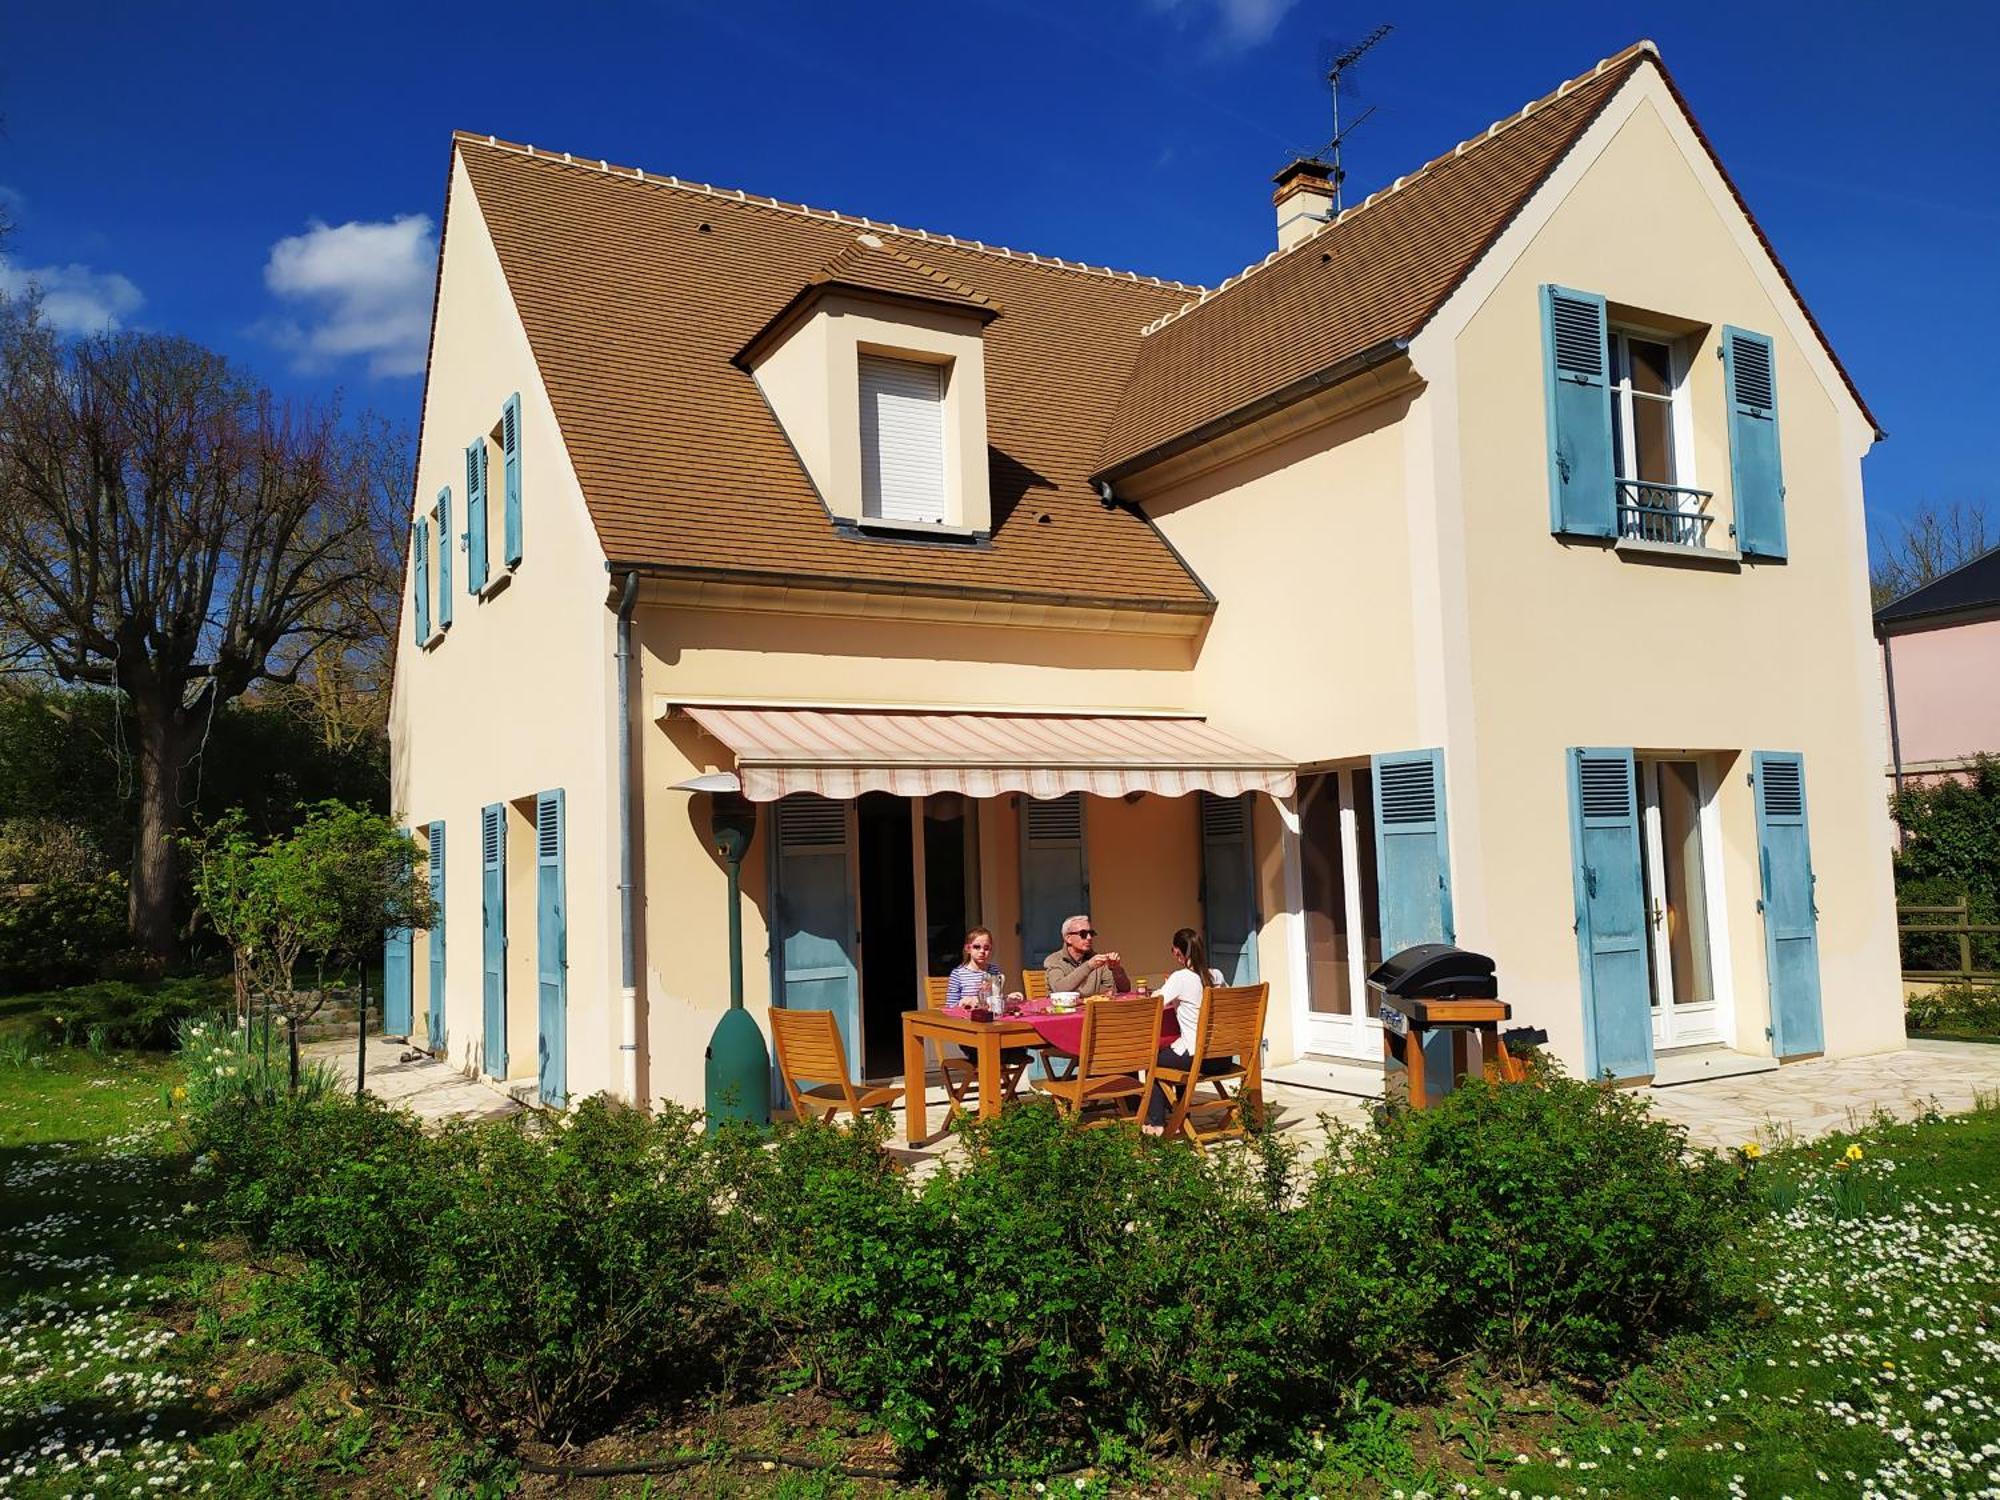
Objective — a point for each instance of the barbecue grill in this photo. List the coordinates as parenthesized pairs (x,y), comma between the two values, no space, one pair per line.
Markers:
(1436,1000)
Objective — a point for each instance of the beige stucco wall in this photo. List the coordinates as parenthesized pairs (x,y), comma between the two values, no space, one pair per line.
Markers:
(1565,645)
(1947,691)
(516,696)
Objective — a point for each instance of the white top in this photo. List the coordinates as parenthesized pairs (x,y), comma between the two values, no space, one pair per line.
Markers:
(1183,987)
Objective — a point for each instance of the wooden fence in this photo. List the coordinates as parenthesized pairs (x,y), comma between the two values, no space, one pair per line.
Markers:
(1943,932)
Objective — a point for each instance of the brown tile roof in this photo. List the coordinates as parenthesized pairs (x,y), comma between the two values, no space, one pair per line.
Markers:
(1374,276)
(873,264)
(636,291)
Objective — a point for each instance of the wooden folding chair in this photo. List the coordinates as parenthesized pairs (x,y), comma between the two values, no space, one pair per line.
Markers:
(810,1051)
(1035,984)
(961,1073)
(1120,1040)
(1232,1027)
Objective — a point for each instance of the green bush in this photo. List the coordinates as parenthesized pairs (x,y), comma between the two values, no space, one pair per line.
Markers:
(60,931)
(1559,1228)
(1962,1009)
(121,1015)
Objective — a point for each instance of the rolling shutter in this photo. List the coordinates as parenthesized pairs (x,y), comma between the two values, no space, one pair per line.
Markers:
(902,439)
(812,903)
(551,950)
(1412,852)
(1055,880)
(475,516)
(437,1040)
(1791,914)
(1576,370)
(1610,914)
(1756,476)
(510,469)
(420,580)
(444,558)
(493,933)
(1229,886)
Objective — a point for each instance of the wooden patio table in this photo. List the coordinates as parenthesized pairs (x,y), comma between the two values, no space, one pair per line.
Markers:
(955,1029)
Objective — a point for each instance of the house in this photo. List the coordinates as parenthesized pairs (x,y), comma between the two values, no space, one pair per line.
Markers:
(1485,564)
(1940,658)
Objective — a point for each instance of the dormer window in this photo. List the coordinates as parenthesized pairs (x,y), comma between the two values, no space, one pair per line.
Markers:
(902,440)
(876,371)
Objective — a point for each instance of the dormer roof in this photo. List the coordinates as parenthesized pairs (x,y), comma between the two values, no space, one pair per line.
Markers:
(873,267)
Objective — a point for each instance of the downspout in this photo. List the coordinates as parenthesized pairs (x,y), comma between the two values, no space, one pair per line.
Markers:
(627,934)
(1895,735)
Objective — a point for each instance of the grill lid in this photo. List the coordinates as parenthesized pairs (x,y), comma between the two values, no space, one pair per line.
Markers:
(1440,971)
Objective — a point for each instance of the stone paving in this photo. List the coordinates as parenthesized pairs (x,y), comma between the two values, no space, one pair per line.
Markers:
(1800,1101)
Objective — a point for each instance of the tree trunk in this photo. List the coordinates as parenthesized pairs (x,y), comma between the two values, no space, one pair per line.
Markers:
(162,754)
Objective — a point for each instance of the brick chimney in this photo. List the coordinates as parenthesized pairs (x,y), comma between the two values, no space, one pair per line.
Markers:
(1304,199)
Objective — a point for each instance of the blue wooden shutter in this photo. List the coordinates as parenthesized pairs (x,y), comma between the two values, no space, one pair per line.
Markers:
(551,950)
(1791,915)
(1229,886)
(438,1039)
(420,579)
(1576,371)
(1412,850)
(1610,914)
(1756,476)
(1055,873)
(475,516)
(444,558)
(493,926)
(396,987)
(812,907)
(510,461)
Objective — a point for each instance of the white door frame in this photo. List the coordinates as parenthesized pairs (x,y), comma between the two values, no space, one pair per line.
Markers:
(1355,1034)
(1685,1026)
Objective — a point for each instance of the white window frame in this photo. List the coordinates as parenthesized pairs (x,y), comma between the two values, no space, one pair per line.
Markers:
(1618,336)
(941,372)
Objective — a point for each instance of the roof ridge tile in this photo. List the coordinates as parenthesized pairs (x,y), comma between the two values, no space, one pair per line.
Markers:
(759,200)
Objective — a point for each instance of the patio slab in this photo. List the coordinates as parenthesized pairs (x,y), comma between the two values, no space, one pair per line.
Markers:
(434,1091)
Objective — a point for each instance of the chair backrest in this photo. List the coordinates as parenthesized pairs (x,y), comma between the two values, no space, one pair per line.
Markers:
(936,989)
(1232,1022)
(1119,1036)
(808,1043)
(1035,984)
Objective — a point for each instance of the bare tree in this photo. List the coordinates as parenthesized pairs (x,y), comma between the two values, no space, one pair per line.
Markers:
(168,529)
(1928,544)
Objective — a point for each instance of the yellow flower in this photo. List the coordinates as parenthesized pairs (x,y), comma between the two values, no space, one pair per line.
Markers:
(1854,1153)
(180,1093)
(1841,1165)
(1751,1150)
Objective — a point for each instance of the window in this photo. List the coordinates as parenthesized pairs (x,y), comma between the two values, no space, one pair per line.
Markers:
(1648,441)
(902,440)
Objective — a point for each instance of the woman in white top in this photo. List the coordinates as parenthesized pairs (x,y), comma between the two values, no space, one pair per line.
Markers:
(1184,987)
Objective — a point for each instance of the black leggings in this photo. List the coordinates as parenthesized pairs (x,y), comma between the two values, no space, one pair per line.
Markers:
(1156,1097)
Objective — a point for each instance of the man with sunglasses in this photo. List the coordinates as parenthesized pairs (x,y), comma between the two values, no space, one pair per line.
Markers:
(1077,967)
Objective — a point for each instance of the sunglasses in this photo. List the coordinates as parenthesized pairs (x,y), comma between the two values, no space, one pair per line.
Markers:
(1084,932)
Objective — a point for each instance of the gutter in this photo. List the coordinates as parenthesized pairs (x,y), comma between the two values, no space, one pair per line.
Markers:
(628,1047)
(1242,416)
(856,585)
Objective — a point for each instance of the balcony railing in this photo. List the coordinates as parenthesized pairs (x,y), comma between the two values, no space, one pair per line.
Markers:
(1674,514)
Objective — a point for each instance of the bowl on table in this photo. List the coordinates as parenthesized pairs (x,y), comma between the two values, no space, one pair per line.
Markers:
(1064,1001)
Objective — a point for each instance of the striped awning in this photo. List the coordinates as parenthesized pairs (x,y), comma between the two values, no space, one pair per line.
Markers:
(841,753)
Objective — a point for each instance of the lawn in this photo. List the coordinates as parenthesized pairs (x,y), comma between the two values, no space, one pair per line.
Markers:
(1864,1360)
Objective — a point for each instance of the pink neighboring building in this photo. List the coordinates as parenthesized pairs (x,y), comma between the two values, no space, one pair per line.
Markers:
(1940,647)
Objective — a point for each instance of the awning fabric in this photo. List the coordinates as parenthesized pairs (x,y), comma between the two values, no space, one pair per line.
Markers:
(841,754)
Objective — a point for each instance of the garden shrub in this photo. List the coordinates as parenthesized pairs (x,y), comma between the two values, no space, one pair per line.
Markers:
(1554,1228)
(60,931)
(1960,1009)
(119,1014)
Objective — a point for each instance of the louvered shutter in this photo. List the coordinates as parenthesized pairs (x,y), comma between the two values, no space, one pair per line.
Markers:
(493,933)
(1756,475)
(420,580)
(444,558)
(1412,850)
(1055,878)
(812,903)
(1229,886)
(1791,914)
(902,439)
(551,950)
(510,469)
(1610,914)
(1576,367)
(438,1038)
(397,981)
(475,517)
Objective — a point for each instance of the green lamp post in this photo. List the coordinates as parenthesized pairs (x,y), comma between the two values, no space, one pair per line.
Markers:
(738,1075)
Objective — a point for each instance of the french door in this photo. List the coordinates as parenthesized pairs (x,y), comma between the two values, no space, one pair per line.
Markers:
(1678,853)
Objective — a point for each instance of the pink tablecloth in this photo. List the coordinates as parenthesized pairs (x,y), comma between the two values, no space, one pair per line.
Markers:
(1065,1033)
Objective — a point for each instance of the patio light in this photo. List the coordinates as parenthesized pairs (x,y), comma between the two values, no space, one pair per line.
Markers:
(737,1078)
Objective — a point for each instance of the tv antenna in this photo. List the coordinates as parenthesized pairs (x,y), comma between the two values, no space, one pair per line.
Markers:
(1336,66)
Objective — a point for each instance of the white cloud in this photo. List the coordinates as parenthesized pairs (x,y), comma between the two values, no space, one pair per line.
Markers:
(75,299)
(362,289)
(1242,24)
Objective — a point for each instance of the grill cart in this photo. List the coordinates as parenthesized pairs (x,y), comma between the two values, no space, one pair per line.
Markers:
(1436,1001)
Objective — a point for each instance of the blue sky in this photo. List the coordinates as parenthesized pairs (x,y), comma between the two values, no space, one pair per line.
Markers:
(267,179)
